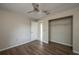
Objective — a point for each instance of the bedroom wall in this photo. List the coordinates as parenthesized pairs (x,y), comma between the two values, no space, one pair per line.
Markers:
(75,14)
(14,29)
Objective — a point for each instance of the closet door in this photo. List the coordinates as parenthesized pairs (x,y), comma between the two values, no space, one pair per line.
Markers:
(60,31)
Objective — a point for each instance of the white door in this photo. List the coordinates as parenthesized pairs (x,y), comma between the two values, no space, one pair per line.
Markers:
(34,30)
(60,31)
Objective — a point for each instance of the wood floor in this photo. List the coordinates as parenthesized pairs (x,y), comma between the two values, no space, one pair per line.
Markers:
(38,48)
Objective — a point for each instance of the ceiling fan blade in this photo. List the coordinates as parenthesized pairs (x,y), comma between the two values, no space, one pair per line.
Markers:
(29,11)
(46,12)
(35,7)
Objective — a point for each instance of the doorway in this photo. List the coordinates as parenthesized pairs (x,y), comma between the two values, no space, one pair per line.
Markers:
(41,31)
(61,31)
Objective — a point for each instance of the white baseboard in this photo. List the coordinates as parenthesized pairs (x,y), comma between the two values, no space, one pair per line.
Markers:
(15,45)
(62,43)
(75,51)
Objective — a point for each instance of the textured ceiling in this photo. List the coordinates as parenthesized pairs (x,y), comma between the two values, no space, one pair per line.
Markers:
(25,7)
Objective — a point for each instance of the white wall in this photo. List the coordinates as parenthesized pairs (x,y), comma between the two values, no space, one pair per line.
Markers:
(75,14)
(14,29)
(60,31)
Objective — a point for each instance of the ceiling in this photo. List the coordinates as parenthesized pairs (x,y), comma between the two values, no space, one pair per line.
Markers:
(25,7)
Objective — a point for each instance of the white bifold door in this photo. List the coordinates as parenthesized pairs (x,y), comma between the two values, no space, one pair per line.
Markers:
(34,30)
(61,31)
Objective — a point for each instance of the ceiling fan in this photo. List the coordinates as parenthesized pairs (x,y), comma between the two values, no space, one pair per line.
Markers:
(36,9)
